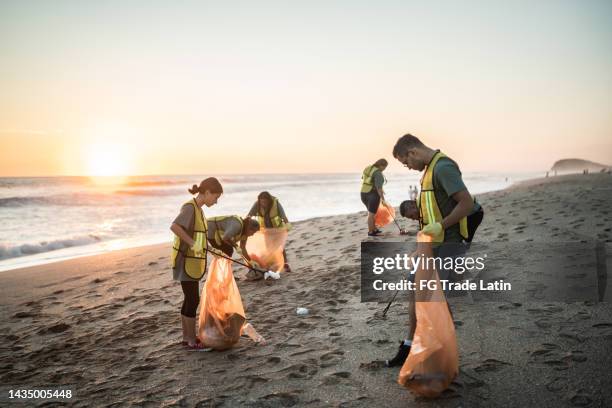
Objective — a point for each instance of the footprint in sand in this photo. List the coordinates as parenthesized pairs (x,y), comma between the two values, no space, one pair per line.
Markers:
(53,329)
(372,365)
(509,306)
(279,399)
(330,359)
(581,399)
(335,378)
(557,384)
(490,364)
(23,315)
(247,382)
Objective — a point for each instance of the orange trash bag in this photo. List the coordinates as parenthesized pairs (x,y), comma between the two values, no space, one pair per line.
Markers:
(222,318)
(384,215)
(433,362)
(266,248)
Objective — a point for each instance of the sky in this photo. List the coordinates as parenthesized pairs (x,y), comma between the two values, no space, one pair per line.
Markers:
(197,87)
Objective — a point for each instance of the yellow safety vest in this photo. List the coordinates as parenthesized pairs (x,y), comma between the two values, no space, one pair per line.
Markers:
(367,183)
(276,219)
(428,206)
(219,232)
(195,265)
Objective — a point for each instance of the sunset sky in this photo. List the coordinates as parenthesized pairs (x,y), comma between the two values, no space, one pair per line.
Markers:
(95,87)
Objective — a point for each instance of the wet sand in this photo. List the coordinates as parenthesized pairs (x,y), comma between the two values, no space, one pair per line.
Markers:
(109,324)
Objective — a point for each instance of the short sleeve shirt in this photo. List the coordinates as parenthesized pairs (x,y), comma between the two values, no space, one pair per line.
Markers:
(231,228)
(186,220)
(378,179)
(281,212)
(448,181)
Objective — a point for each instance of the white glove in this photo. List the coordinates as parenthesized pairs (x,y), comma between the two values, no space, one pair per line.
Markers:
(197,248)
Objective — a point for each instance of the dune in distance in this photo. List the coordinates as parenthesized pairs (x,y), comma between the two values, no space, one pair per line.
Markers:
(578,165)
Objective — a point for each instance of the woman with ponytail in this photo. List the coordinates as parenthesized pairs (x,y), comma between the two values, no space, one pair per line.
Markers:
(189,252)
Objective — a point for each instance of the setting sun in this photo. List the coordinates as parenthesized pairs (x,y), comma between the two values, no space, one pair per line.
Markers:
(107,160)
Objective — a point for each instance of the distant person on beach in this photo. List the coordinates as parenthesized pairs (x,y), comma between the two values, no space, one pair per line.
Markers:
(442,209)
(270,214)
(414,192)
(372,193)
(229,232)
(189,252)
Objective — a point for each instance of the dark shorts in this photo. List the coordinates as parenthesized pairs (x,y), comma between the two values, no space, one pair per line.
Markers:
(450,250)
(371,200)
(447,250)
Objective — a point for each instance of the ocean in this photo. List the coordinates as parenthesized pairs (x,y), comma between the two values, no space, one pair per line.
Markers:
(46,219)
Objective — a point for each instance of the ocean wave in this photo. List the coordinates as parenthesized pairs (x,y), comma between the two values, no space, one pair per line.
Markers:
(8,251)
(71,200)
(155,183)
(23,201)
(151,192)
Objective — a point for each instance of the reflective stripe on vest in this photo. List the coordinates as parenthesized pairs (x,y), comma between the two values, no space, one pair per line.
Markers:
(429,210)
(219,232)
(368,173)
(195,265)
(275,218)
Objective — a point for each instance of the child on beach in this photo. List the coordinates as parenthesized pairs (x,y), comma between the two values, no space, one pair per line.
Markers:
(189,252)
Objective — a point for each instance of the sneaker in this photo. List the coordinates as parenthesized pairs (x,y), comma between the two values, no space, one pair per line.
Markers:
(378,230)
(373,234)
(400,357)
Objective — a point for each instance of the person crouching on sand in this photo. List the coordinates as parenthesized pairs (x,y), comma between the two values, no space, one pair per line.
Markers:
(229,232)
(189,252)
(372,193)
(270,214)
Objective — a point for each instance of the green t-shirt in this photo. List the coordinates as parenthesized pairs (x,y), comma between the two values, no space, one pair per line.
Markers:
(447,181)
(378,179)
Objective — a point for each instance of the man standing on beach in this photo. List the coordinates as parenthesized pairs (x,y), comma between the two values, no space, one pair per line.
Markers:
(443,207)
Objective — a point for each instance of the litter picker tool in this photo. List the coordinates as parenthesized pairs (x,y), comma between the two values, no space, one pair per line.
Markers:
(401,230)
(386,309)
(217,253)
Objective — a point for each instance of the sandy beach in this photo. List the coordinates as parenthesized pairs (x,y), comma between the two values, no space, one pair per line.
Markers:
(109,324)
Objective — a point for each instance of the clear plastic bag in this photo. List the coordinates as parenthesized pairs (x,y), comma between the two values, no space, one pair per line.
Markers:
(384,215)
(222,319)
(433,361)
(266,248)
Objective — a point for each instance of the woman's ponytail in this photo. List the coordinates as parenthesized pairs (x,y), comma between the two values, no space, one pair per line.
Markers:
(194,189)
(211,184)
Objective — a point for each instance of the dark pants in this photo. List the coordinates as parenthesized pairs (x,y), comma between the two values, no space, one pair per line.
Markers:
(191,292)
